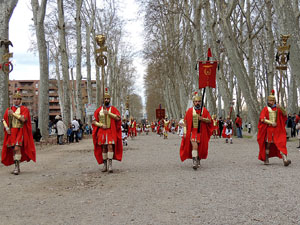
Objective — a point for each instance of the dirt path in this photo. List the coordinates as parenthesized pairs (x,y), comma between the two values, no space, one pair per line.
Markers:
(152,186)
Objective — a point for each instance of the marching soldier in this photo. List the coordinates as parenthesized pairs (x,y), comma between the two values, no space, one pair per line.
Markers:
(271,135)
(18,145)
(194,144)
(107,136)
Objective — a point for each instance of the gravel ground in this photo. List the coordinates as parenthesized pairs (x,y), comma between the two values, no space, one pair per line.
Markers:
(152,186)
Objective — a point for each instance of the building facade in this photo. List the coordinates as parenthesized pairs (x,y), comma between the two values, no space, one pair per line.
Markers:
(30,92)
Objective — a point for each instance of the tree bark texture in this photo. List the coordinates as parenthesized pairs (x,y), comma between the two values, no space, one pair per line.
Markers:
(39,11)
(6,11)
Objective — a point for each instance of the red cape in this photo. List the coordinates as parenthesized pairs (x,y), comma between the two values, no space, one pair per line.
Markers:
(28,149)
(134,128)
(224,133)
(279,144)
(116,133)
(206,132)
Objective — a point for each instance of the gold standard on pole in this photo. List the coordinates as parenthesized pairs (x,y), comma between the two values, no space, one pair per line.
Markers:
(282,58)
(101,59)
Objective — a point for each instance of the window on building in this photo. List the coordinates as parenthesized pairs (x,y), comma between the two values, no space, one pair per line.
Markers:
(37,85)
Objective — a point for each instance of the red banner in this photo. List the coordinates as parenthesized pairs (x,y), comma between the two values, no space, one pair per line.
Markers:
(207,74)
(160,114)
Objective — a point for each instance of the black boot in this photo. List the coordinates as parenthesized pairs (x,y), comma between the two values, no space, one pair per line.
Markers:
(195,163)
(110,170)
(104,169)
(17,167)
(267,160)
(286,161)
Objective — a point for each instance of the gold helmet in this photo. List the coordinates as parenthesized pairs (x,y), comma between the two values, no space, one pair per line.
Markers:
(196,97)
(271,97)
(106,94)
(17,94)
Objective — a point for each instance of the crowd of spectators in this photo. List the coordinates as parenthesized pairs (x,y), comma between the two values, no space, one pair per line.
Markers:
(73,133)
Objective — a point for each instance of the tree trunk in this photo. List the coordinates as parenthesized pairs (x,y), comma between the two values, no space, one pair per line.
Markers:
(73,94)
(270,50)
(88,68)
(79,111)
(64,63)
(236,62)
(60,88)
(38,18)
(6,10)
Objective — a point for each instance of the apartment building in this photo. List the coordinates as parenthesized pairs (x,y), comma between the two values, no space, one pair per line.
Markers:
(30,92)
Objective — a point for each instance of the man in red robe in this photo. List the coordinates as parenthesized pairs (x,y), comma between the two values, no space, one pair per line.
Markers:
(239,123)
(107,134)
(132,129)
(271,135)
(194,144)
(18,145)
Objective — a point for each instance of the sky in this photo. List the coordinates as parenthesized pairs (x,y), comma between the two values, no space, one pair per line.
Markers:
(26,64)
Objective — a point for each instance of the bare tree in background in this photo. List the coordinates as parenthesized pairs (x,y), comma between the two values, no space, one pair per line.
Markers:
(64,62)
(79,112)
(39,11)
(6,11)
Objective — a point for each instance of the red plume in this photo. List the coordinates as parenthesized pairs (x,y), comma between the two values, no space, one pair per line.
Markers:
(209,53)
(272,92)
(195,93)
(19,89)
(106,89)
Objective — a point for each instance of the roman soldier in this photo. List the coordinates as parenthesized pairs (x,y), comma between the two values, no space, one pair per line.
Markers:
(133,131)
(166,127)
(271,135)
(194,143)
(18,145)
(107,135)
(215,126)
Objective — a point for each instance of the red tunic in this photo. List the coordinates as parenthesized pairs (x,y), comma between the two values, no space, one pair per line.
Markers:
(28,151)
(279,137)
(116,132)
(215,128)
(205,133)
(132,130)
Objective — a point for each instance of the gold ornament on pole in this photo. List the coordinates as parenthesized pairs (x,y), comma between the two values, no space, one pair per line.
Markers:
(101,59)
(5,65)
(282,58)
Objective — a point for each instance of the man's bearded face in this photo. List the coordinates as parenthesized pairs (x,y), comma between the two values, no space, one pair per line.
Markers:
(197,104)
(106,101)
